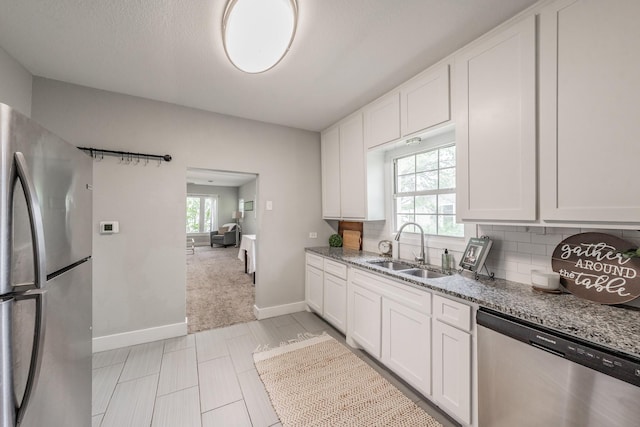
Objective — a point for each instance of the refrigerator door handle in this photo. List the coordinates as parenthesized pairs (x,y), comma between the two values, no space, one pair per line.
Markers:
(35,218)
(38,344)
(7,404)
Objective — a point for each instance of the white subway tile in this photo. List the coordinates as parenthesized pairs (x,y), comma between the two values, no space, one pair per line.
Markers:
(517,257)
(541,261)
(563,230)
(546,239)
(631,234)
(504,228)
(509,246)
(517,236)
(617,233)
(526,269)
(498,273)
(519,277)
(525,248)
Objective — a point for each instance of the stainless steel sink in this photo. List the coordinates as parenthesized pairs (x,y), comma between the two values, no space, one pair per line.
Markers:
(425,274)
(392,265)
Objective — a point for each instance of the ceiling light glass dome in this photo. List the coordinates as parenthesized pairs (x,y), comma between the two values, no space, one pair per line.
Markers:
(258,33)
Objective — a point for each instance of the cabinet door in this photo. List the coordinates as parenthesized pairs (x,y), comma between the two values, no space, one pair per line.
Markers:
(335,301)
(365,319)
(589,110)
(314,288)
(352,177)
(330,156)
(496,126)
(382,120)
(452,370)
(406,344)
(425,100)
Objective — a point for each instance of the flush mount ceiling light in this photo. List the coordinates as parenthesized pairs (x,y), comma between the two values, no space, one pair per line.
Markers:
(258,33)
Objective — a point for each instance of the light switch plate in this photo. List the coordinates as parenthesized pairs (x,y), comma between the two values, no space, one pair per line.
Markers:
(269,205)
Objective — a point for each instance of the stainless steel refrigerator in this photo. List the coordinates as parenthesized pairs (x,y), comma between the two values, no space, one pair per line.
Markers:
(45,283)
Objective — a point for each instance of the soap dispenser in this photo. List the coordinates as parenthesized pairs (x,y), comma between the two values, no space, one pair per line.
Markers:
(447,261)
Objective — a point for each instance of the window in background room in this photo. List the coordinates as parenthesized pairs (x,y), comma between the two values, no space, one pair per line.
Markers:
(202,213)
(425,191)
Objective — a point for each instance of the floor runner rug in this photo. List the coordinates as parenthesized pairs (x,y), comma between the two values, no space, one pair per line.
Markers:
(320,382)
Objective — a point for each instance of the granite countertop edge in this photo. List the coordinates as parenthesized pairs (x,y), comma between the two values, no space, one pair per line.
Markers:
(615,328)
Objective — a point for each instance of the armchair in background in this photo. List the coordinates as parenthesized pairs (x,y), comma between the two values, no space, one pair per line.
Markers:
(224,236)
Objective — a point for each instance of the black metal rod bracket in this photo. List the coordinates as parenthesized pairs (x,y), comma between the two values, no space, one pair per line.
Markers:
(99,153)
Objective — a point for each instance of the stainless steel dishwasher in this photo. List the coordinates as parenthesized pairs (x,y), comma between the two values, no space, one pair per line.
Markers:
(531,376)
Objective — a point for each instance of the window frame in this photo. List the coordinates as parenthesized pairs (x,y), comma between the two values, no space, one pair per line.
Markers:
(404,152)
(201,222)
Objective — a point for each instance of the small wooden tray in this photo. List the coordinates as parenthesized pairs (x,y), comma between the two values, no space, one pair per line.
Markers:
(351,239)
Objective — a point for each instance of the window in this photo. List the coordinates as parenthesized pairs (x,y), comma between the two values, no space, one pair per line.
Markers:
(425,191)
(201,214)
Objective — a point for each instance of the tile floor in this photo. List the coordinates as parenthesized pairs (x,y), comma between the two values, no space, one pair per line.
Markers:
(205,379)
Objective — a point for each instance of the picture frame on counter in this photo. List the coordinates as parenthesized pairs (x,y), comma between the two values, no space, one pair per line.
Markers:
(476,253)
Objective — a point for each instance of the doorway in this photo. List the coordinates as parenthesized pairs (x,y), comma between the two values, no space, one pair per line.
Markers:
(219,211)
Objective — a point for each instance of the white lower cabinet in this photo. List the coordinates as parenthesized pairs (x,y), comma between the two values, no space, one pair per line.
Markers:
(452,357)
(406,344)
(314,286)
(365,314)
(335,301)
(326,290)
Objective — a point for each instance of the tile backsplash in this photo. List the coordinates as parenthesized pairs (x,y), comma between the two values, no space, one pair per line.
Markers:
(517,250)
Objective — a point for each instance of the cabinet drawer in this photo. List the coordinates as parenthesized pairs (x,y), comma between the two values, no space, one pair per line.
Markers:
(452,312)
(315,261)
(335,268)
(410,297)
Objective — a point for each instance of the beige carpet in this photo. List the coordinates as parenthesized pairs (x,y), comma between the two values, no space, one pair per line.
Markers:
(219,293)
(319,382)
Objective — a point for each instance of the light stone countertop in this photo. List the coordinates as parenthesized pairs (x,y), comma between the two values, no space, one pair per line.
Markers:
(617,328)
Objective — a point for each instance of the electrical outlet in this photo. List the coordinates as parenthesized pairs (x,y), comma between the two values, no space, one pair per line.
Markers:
(313,235)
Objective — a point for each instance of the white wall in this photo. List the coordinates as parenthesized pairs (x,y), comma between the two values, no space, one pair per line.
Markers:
(139,279)
(249,222)
(15,84)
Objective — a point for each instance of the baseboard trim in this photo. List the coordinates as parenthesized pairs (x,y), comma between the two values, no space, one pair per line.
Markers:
(140,336)
(278,310)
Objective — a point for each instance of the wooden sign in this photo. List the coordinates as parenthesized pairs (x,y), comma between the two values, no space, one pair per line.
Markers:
(592,267)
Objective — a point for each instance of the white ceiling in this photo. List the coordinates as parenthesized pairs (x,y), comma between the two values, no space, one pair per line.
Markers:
(218,178)
(345,53)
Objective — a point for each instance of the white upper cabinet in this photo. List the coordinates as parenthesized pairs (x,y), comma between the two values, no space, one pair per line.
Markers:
(352,175)
(424,100)
(495,87)
(382,120)
(590,111)
(330,157)
(352,179)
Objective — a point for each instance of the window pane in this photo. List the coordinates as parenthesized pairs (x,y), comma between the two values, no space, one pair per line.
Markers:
(406,165)
(406,183)
(448,157)
(426,204)
(427,161)
(448,178)
(402,219)
(447,226)
(405,205)
(193,214)
(447,204)
(428,223)
(427,181)
(208,215)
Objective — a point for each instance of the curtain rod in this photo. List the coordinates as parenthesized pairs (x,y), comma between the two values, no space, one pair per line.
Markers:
(95,152)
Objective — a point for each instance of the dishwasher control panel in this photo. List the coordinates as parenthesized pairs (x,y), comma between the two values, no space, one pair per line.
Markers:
(599,359)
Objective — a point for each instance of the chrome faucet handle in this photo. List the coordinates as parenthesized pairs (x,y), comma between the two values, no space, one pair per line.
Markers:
(418,257)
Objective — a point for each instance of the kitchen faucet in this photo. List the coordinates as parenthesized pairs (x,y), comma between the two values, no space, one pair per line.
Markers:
(420,258)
